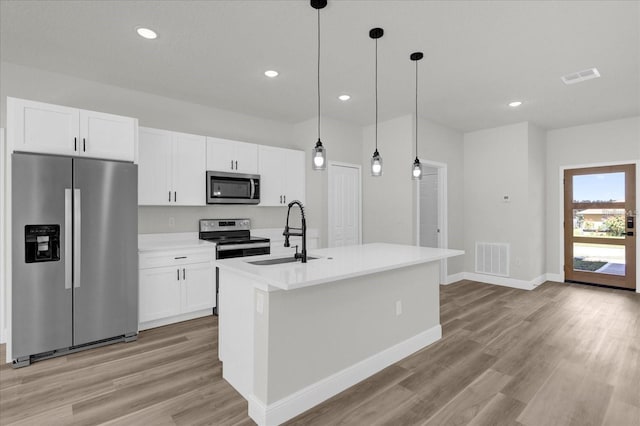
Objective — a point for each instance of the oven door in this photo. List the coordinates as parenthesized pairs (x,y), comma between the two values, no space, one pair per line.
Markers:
(232,188)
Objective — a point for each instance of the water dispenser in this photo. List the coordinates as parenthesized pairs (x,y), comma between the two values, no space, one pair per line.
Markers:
(41,243)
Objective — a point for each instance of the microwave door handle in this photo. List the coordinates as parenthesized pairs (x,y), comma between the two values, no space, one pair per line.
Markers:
(253,188)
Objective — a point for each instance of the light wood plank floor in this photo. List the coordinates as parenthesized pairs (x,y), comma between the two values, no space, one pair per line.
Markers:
(558,355)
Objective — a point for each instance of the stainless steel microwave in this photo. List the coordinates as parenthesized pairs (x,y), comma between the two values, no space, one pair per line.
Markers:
(232,188)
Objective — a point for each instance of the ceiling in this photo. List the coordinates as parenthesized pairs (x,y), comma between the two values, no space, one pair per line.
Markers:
(478,56)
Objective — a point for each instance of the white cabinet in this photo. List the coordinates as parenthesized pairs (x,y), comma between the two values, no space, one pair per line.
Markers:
(171,168)
(282,175)
(224,155)
(53,129)
(176,286)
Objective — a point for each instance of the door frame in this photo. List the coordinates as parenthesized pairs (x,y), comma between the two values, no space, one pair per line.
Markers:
(330,218)
(560,213)
(443,237)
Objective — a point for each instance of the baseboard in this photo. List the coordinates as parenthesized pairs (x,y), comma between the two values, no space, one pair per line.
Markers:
(555,277)
(171,320)
(450,279)
(299,402)
(506,281)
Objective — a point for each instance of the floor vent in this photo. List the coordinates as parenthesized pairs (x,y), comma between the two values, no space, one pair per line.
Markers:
(492,259)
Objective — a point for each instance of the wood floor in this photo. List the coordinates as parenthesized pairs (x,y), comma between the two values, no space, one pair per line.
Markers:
(558,355)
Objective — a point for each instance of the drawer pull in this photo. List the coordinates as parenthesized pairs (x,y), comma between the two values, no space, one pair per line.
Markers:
(180,257)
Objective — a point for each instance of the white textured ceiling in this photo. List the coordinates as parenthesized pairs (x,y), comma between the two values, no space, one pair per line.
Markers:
(479,55)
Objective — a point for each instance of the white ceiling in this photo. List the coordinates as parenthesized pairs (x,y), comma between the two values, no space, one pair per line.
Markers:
(479,55)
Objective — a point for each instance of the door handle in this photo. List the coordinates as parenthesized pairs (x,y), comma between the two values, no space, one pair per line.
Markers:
(77,240)
(68,235)
(629,233)
(84,144)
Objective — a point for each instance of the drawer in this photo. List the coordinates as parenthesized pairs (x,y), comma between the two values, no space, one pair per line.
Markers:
(175,258)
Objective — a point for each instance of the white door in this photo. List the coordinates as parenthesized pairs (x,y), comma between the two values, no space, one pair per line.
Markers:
(106,136)
(154,168)
(198,287)
(429,231)
(344,205)
(189,169)
(272,168)
(245,158)
(159,293)
(295,180)
(45,128)
(220,155)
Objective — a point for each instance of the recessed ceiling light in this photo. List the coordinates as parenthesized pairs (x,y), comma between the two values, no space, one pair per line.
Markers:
(515,104)
(344,97)
(146,33)
(271,73)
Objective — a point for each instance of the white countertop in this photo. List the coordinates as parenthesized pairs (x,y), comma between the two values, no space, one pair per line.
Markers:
(335,264)
(171,241)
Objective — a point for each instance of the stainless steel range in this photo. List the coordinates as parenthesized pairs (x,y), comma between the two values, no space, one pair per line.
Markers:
(233,239)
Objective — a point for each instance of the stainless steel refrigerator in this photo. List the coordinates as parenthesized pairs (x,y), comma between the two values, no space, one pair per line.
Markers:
(74,254)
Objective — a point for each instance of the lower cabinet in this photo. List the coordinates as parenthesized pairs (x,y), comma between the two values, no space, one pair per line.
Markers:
(176,286)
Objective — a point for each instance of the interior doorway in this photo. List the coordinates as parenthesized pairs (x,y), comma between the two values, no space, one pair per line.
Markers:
(431,209)
(345,204)
(600,225)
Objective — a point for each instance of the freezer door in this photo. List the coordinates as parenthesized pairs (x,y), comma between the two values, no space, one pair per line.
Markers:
(106,252)
(41,290)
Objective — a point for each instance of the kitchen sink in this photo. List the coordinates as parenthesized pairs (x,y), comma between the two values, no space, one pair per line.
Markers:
(279,261)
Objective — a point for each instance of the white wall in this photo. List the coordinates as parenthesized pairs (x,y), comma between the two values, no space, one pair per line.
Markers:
(535,228)
(495,165)
(388,200)
(611,141)
(342,143)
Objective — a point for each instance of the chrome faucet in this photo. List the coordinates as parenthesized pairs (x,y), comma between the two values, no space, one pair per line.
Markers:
(303,232)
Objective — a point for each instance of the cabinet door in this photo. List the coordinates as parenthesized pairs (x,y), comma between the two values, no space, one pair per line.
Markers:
(272,164)
(43,128)
(154,168)
(245,157)
(159,293)
(189,173)
(107,136)
(220,153)
(198,287)
(295,176)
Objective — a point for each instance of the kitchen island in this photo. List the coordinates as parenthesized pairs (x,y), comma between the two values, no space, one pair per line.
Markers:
(291,335)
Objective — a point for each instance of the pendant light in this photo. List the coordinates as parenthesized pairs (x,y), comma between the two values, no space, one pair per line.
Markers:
(416,169)
(376,160)
(318,153)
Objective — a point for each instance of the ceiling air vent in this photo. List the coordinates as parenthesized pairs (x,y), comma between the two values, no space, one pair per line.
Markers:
(580,76)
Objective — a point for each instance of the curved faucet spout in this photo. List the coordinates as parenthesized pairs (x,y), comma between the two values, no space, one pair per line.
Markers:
(303,231)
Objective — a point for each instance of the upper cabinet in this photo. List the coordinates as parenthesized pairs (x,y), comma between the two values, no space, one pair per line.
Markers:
(53,129)
(282,175)
(224,155)
(172,168)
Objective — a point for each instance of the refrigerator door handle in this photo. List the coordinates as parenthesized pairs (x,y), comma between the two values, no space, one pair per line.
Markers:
(77,225)
(67,239)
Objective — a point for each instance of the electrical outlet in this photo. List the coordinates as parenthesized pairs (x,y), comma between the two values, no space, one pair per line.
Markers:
(398,307)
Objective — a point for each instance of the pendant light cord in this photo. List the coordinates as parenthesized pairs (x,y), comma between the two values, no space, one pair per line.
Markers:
(416,109)
(376,95)
(318,74)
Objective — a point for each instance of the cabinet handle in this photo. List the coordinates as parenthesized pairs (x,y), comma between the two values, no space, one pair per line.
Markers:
(178,271)
(281,199)
(284,197)
(175,197)
(75,144)
(180,257)
(184,274)
(231,164)
(84,145)
(236,164)
(169,196)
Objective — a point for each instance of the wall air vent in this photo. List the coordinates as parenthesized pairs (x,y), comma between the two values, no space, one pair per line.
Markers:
(492,258)
(580,76)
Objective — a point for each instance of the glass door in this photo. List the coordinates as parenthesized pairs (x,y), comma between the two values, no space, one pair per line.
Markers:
(599,224)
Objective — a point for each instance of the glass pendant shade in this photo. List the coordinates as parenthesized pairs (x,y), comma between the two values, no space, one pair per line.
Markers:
(318,157)
(416,169)
(376,164)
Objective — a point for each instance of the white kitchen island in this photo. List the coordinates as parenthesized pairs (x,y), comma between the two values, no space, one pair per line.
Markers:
(292,335)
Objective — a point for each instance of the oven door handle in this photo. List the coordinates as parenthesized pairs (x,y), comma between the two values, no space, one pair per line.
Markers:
(227,247)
